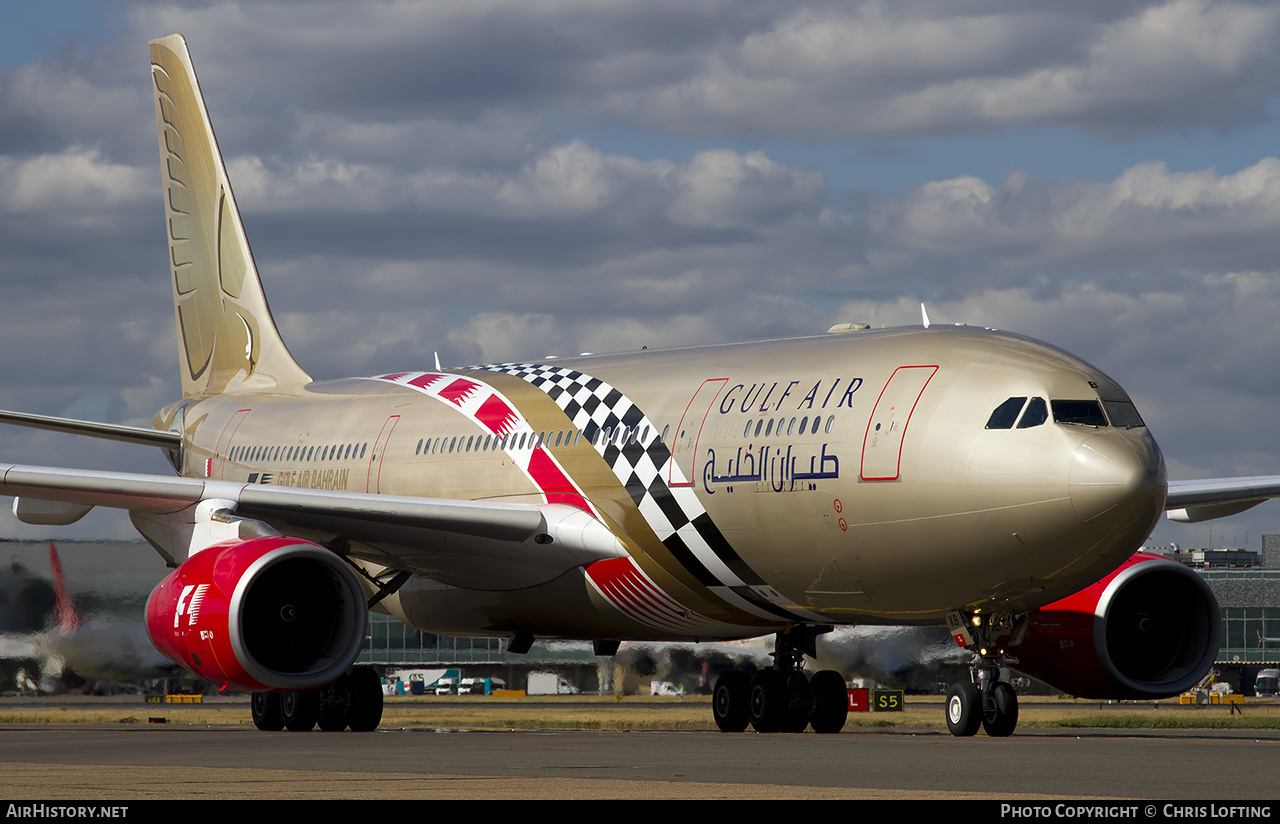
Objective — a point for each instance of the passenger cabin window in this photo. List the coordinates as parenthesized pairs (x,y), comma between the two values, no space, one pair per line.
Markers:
(1006,413)
(1082,413)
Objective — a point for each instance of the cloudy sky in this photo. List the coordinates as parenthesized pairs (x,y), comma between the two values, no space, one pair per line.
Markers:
(502,179)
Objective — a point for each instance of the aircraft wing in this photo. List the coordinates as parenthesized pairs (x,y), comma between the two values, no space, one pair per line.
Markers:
(1194,501)
(473,544)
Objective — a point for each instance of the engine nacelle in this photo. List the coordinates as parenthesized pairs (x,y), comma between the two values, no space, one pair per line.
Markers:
(260,615)
(1151,629)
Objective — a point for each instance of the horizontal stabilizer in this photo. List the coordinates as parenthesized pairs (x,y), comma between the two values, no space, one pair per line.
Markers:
(108,431)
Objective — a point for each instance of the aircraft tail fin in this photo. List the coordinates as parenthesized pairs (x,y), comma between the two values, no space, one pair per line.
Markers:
(225,330)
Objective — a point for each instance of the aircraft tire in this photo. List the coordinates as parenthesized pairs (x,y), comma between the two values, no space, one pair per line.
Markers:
(334,706)
(1001,720)
(799,703)
(767,704)
(265,707)
(964,709)
(300,710)
(729,701)
(830,702)
(364,688)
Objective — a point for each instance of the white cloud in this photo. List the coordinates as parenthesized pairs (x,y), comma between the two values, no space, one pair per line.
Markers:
(879,69)
(78,180)
(503,336)
(1148,218)
(721,189)
(571,180)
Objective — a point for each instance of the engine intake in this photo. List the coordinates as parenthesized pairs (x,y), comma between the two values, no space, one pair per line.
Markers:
(260,615)
(1150,629)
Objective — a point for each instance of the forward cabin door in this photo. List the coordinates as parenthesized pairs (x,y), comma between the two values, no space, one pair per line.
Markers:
(882,444)
(684,441)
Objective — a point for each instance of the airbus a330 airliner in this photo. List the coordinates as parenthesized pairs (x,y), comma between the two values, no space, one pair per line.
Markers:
(916,476)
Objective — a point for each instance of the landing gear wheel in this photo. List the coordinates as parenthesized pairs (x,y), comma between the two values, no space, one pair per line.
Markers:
(729,701)
(1001,718)
(964,709)
(799,703)
(364,689)
(300,710)
(334,705)
(768,701)
(265,707)
(830,702)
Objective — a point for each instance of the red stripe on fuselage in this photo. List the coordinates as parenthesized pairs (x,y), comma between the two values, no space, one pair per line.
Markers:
(553,482)
(496,415)
(633,594)
(423,381)
(500,418)
(458,391)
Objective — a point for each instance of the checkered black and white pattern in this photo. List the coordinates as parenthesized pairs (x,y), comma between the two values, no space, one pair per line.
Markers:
(632,447)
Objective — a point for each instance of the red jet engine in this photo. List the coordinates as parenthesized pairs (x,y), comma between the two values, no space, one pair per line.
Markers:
(1151,629)
(260,615)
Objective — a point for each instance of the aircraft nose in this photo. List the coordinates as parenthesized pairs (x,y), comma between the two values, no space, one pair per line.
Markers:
(1116,473)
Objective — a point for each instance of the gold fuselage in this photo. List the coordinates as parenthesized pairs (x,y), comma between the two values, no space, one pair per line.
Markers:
(845,478)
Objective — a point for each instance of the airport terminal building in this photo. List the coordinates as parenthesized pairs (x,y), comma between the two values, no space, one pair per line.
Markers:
(1247,585)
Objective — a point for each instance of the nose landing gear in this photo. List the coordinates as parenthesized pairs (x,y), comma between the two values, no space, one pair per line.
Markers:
(985,700)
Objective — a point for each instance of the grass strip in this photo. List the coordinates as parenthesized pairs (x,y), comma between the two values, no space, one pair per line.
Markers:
(691,713)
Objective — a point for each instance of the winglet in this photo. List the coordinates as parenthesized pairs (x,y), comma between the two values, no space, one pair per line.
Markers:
(924,314)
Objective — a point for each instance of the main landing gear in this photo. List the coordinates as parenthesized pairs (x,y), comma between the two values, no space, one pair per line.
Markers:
(353,701)
(984,700)
(783,698)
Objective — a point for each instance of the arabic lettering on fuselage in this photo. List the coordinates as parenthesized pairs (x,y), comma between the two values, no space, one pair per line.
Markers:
(758,398)
(769,464)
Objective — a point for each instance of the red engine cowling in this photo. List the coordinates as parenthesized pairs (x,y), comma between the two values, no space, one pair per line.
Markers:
(1150,629)
(260,615)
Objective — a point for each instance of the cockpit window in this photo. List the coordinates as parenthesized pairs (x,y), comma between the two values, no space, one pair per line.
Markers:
(1036,414)
(1122,413)
(1084,413)
(1006,413)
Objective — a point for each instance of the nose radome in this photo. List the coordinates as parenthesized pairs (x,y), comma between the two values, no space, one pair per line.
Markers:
(1107,473)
